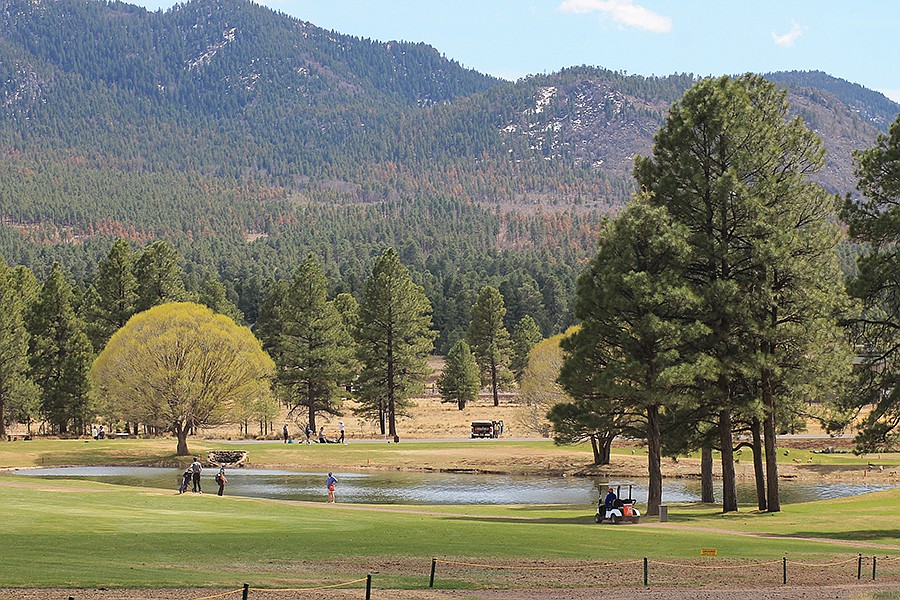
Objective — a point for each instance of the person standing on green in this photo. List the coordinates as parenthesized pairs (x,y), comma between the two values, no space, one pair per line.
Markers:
(330,485)
(221,480)
(196,469)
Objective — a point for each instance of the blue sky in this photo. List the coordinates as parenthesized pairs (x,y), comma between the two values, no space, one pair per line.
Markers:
(856,40)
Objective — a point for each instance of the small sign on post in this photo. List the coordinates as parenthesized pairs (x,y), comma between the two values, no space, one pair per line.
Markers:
(708,552)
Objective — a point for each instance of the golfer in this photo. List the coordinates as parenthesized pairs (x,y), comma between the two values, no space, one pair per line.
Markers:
(330,485)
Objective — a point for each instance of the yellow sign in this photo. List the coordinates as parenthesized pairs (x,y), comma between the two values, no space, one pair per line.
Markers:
(708,552)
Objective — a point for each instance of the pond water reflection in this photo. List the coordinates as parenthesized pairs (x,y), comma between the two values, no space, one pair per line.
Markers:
(393,487)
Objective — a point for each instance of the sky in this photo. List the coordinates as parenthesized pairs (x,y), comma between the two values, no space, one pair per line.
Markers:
(856,40)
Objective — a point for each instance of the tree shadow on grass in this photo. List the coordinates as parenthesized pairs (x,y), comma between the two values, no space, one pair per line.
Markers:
(581,520)
(887,536)
(712,513)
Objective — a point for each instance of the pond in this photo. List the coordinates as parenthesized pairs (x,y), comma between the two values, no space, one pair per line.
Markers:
(394,487)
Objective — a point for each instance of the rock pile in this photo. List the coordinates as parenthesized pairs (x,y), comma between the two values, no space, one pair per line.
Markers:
(226,458)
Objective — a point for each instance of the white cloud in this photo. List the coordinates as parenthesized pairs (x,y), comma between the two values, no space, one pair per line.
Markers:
(624,12)
(790,37)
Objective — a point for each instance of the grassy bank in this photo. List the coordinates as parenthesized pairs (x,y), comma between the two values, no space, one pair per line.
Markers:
(534,456)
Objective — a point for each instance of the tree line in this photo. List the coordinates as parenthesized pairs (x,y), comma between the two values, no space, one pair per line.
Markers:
(137,347)
(715,307)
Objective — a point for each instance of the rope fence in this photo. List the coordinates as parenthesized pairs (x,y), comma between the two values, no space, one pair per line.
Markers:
(588,569)
(677,567)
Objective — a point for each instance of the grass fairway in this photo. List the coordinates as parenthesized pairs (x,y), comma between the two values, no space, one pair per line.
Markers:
(86,534)
(80,534)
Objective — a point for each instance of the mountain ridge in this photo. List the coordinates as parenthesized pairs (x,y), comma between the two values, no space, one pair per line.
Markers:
(249,139)
(302,103)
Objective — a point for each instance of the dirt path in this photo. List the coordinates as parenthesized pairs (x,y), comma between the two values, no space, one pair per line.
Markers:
(857,591)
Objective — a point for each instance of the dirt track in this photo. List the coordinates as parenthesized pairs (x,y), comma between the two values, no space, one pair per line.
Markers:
(780,592)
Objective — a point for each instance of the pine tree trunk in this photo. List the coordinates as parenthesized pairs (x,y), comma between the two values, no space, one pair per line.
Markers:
(2,418)
(595,448)
(758,470)
(729,489)
(605,449)
(773,495)
(494,383)
(654,460)
(312,419)
(392,419)
(391,390)
(707,493)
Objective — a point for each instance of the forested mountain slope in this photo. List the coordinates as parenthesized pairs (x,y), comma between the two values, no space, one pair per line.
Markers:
(248,138)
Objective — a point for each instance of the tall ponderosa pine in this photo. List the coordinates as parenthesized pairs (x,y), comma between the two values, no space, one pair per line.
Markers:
(637,331)
(460,380)
(16,389)
(314,351)
(525,336)
(159,276)
(60,356)
(489,338)
(214,296)
(875,220)
(113,297)
(730,167)
(395,337)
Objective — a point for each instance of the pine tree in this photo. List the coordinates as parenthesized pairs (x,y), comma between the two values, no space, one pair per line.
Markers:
(625,364)
(16,389)
(732,169)
(214,296)
(489,338)
(113,297)
(395,337)
(525,336)
(875,221)
(60,356)
(159,276)
(314,349)
(460,380)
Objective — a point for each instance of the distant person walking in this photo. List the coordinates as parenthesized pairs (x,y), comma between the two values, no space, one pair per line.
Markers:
(330,485)
(308,433)
(196,469)
(341,425)
(284,432)
(221,480)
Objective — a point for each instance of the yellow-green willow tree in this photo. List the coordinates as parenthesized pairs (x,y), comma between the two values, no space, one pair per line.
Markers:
(180,366)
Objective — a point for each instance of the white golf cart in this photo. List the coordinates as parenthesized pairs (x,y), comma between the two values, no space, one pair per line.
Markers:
(622,511)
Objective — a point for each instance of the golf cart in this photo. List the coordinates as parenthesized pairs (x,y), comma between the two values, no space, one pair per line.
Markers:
(623,509)
(487,429)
